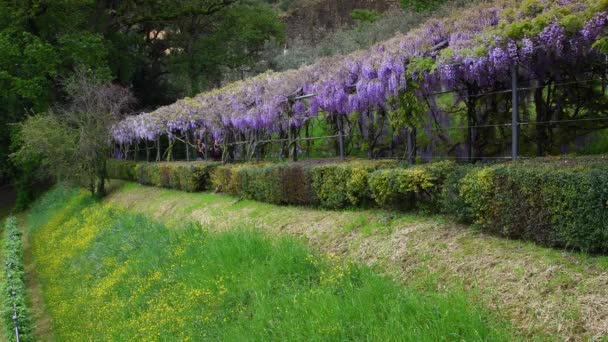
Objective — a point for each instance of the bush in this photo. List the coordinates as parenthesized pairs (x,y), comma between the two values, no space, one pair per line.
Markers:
(407,188)
(186,176)
(563,205)
(225,178)
(13,285)
(341,185)
(285,183)
(121,169)
(331,185)
(280,183)
(451,202)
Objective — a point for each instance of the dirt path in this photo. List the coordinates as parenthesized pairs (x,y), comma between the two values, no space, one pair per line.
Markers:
(541,290)
(42,326)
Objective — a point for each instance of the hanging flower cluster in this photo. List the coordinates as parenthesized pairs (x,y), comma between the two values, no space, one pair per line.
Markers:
(478,52)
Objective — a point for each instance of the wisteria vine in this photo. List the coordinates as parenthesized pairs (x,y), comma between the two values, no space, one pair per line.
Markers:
(477,52)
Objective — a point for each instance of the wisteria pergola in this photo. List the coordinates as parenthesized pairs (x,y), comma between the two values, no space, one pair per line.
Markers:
(480,52)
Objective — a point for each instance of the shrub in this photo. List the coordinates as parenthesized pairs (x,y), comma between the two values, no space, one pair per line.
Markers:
(225,178)
(341,185)
(406,188)
(186,176)
(553,204)
(331,185)
(451,202)
(284,183)
(121,169)
(13,286)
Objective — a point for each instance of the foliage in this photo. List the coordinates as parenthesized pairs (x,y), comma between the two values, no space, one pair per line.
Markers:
(49,141)
(14,292)
(343,185)
(408,188)
(349,39)
(364,16)
(402,77)
(285,183)
(553,204)
(73,144)
(159,49)
(121,169)
(237,38)
(108,274)
(451,200)
(421,5)
(186,176)
(331,185)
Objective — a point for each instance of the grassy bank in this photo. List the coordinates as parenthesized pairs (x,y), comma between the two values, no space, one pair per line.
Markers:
(541,290)
(109,274)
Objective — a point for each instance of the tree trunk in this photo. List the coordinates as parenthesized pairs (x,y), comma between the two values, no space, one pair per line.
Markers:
(470,128)
(541,115)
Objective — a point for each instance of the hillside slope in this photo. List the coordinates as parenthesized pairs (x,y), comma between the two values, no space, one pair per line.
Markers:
(110,274)
(309,20)
(541,290)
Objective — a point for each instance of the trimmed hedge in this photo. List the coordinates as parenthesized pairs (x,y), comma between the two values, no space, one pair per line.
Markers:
(332,185)
(342,185)
(186,176)
(408,188)
(553,204)
(121,169)
(562,202)
(13,285)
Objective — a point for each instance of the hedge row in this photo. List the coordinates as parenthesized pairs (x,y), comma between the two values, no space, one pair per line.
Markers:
(331,185)
(13,286)
(560,203)
(360,183)
(555,204)
(186,176)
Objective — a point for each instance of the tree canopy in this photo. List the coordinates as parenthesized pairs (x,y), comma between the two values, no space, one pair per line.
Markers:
(161,49)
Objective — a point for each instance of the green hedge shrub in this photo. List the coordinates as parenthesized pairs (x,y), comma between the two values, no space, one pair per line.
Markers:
(284,183)
(186,176)
(407,188)
(330,185)
(560,202)
(553,204)
(13,285)
(121,169)
(342,185)
(225,178)
(451,202)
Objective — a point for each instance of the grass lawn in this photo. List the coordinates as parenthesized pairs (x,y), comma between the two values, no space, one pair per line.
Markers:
(109,274)
(542,291)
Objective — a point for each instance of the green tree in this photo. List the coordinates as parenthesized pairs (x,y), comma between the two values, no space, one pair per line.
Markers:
(72,143)
(161,49)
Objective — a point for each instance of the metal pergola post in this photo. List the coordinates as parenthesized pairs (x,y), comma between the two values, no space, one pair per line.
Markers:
(514,114)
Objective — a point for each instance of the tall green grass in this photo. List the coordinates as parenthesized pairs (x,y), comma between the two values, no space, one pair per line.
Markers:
(110,275)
